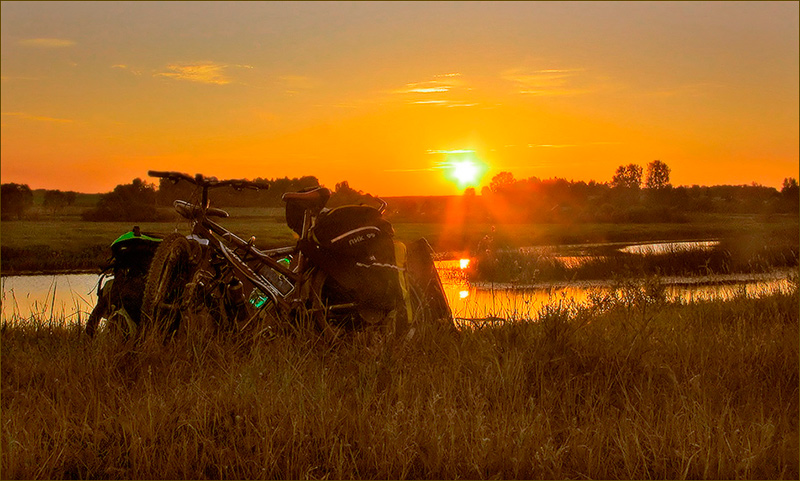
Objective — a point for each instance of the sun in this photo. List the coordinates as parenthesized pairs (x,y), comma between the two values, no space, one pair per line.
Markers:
(463,168)
(465,172)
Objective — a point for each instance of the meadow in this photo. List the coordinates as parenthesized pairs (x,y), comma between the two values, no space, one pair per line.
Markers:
(627,385)
(64,242)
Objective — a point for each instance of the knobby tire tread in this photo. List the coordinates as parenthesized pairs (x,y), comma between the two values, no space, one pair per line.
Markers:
(169,273)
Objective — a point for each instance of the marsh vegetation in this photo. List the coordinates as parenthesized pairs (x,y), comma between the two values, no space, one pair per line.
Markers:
(625,385)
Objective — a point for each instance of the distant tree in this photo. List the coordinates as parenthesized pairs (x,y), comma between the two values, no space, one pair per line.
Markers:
(790,194)
(55,200)
(134,202)
(790,187)
(15,199)
(627,176)
(71,197)
(657,175)
(343,194)
(501,182)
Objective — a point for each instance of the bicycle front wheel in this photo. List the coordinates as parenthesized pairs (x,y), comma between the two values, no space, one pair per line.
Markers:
(165,288)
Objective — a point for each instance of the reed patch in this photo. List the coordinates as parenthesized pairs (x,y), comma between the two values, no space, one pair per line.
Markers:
(622,386)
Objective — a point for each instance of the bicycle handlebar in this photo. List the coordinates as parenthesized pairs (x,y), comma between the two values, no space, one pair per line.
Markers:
(209,182)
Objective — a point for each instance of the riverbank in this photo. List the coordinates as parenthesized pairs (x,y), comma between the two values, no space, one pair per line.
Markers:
(61,245)
(743,255)
(630,387)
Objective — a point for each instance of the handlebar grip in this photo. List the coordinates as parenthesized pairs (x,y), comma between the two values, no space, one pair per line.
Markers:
(174,176)
(240,184)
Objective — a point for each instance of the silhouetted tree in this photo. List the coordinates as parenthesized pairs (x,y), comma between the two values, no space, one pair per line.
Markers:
(627,176)
(657,175)
(501,181)
(790,187)
(56,200)
(135,202)
(343,194)
(15,199)
(790,194)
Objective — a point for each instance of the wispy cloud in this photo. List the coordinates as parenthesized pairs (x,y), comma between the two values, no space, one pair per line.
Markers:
(445,103)
(428,169)
(12,78)
(37,118)
(457,151)
(46,42)
(559,146)
(201,72)
(126,68)
(438,91)
(547,82)
(440,83)
(553,146)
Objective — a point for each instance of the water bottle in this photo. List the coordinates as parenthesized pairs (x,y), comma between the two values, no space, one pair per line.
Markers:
(277,279)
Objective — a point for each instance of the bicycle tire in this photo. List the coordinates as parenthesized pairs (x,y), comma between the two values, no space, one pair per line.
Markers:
(428,301)
(165,287)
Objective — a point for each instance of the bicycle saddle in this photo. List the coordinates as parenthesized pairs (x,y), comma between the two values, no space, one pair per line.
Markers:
(314,199)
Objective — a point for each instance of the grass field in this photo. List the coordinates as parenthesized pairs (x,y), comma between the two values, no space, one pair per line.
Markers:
(65,242)
(626,386)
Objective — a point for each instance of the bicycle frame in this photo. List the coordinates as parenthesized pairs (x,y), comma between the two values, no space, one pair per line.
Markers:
(242,256)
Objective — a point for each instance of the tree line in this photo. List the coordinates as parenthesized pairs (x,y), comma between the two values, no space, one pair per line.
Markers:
(142,201)
(634,194)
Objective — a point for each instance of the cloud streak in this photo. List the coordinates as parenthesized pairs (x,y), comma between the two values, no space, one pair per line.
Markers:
(439,84)
(46,42)
(200,72)
(126,68)
(547,82)
(37,118)
(435,92)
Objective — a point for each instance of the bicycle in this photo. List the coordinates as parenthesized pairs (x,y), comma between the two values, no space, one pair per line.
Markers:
(344,272)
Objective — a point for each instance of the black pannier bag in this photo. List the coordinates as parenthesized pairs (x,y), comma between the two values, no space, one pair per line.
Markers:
(354,245)
(120,298)
(351,230)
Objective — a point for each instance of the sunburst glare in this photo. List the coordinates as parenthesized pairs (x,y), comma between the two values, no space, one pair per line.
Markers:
(462,167)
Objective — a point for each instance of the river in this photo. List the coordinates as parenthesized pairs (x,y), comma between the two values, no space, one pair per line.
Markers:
(71,297)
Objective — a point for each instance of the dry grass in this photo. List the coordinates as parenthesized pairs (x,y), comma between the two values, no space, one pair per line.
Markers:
(740,255)
(626,386)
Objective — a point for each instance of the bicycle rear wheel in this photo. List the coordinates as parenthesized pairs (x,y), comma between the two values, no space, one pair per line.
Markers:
(164,301)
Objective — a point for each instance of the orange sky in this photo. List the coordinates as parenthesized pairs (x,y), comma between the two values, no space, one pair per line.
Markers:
(94,94)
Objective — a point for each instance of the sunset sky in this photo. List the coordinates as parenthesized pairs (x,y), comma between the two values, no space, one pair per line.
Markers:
(390,95)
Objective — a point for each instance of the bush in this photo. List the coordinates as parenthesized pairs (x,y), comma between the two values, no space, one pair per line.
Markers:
(134,202)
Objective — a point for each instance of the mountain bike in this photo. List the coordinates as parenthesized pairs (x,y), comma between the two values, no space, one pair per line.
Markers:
(346,270)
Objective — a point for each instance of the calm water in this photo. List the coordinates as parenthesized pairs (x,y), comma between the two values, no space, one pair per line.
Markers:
(68,296)
(72,296)
(506,301)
